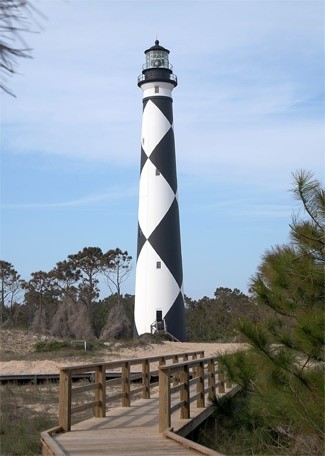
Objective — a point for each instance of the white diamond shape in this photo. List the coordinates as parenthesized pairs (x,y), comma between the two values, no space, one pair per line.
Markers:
(155,198)
(154,127)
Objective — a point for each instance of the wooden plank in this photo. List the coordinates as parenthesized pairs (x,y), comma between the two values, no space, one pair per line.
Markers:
(126,384)
(200,385)
(164,400)
(221,379)
(50,447)
(114,397)
(82,389)
(83,407)
(136,391)
(190,444)
(146,379)
(100,392)
(65,400)
(119,363)
(185,392)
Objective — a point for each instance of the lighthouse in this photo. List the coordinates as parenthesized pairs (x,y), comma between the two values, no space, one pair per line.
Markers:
(159,297)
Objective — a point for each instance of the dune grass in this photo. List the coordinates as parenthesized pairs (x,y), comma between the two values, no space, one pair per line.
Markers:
(26,411)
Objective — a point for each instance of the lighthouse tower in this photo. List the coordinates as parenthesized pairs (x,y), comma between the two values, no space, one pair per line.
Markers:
(159,298)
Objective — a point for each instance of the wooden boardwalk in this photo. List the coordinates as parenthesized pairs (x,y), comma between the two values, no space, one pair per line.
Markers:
(147,425)
(132,431)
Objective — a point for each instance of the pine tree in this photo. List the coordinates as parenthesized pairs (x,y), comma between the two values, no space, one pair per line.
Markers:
(283,372)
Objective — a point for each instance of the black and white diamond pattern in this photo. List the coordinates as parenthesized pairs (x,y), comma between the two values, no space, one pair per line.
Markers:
(159,275)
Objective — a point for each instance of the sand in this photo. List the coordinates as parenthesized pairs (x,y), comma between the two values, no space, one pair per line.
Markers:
(44,366)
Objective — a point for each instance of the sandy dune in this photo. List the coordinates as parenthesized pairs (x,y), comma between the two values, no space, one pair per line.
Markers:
(14,367)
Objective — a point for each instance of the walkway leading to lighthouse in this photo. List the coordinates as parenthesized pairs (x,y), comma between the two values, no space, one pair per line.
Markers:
(156,422)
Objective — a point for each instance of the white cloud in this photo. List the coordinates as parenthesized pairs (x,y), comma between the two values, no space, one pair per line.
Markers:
(114,194)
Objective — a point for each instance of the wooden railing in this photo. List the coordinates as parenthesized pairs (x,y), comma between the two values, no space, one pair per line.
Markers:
(125,377)
(181,378)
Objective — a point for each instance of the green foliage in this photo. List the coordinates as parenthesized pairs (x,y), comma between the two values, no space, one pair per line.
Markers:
(24,417)
(64,301)
(66,345)
(241,430)
(10,286)
(210,320)
(282,374)
(50,346)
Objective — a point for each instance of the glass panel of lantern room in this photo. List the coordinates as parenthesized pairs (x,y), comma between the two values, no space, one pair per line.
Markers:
(148,60)
(156,59)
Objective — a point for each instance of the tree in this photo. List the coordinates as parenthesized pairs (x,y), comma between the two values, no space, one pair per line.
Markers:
(16,17)
(11,285)
(86,266)
(117,267)
(41,298)
(283,372)
(66,277)
(215,319)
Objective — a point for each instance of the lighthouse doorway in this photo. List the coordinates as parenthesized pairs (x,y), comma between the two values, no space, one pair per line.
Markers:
(159,324)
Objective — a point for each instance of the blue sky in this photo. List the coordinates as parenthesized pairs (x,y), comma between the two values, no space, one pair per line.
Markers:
(248,111)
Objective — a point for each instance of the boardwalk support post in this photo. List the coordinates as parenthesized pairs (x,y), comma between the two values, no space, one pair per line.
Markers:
(200,385)
(65,400)
(175,375)
(221,379)
(164,400)
(126,384)
(185,392)
(228,383)
(212,377)
(100,392)
(146,379)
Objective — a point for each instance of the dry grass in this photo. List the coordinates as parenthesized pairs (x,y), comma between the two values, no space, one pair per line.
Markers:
(26,411)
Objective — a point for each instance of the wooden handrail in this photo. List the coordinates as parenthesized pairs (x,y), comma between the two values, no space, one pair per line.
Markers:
(100,400)
(203,376)
(133,361)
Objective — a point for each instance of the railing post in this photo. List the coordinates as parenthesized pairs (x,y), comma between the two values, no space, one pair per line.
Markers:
(185,392)
(65,400)
(100,393)
(194,369)
(212,376)
(164,400)
(221,379)
(175,375)
(228,383)
(162,361)
(126,384)
(146,379)
(200,385)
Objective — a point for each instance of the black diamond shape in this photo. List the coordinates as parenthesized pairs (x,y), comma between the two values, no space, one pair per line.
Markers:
(145,101)
(141,240)
(175,319)
(144,158)
(165,104)
(166,240)
(163,158)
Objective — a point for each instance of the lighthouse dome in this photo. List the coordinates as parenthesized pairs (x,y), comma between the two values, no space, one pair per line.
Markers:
(157,57)
(157,66)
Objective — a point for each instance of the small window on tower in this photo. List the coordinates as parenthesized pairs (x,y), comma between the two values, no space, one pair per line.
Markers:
(157,172)
(158,265)
(156,89)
